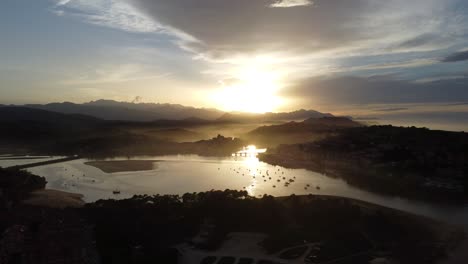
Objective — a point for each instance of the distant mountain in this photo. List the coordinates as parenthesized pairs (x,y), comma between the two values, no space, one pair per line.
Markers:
(272,117)
(113,110)
(146,112)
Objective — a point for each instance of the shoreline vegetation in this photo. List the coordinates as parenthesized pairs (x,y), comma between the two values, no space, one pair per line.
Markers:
(408,162)
(149,228)
(54,199)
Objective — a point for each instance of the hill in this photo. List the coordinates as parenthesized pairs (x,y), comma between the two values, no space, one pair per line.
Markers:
(299,132)
(330,122)
(36,131)
(27,126)
(403,161)
(302,114)
(16,113)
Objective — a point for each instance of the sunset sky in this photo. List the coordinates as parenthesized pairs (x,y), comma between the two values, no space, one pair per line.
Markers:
(248,55)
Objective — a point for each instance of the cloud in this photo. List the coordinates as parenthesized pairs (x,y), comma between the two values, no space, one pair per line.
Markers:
(291,3)
(392,65)
(109,13)
(109,74)
(456,57)
(394,109)
(229,28)
(220,30)
(428,41)
(376,90)
(335,36)
(441,78)
(62,2)
(418,41)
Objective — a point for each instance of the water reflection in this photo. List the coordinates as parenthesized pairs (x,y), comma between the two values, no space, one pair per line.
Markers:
(251,164)
(250,167)
(249,151)
(181,174)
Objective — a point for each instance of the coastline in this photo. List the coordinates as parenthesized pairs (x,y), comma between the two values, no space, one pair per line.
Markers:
(353,175)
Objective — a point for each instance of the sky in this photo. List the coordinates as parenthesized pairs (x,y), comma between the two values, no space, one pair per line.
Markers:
(339,56)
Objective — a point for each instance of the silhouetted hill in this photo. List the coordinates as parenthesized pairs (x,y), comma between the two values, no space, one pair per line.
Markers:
(297,132)
(15,113)
(272,117)
(27,124)
(308,125)
(113,110)
(330,122)
(38,131)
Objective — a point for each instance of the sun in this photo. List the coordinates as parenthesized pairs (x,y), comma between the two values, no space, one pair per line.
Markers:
(253,88)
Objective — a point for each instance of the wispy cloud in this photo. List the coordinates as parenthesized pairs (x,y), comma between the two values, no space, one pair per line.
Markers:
(291,3)
(109,13)
(393,65)
(221,31)
(441,78)
(108,74)
(62,2)
(456,57)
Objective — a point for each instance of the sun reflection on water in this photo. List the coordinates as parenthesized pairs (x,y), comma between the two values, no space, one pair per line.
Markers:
(251,163)
(249,151)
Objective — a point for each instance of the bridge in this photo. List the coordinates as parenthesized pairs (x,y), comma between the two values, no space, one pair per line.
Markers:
(42,163)
(249,151)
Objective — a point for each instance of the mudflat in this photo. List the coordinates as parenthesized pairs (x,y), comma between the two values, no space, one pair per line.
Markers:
(122,165)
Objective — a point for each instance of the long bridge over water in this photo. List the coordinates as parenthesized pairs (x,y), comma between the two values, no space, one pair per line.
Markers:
(41,163)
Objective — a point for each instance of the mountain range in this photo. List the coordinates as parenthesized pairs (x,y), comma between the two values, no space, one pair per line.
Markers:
(143,112)
(148,112)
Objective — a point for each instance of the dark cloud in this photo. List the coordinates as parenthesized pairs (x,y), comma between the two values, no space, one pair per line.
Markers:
(239,26)
(456,57)
(457,104)
(394,109)
(359,90)
(418,41)
(227,27)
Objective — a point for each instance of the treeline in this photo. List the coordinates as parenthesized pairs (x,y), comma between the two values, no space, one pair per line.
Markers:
(147,229)
(411,162)
(15,186)
(148,226)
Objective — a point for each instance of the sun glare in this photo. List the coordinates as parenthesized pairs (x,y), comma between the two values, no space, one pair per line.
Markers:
(253,88)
